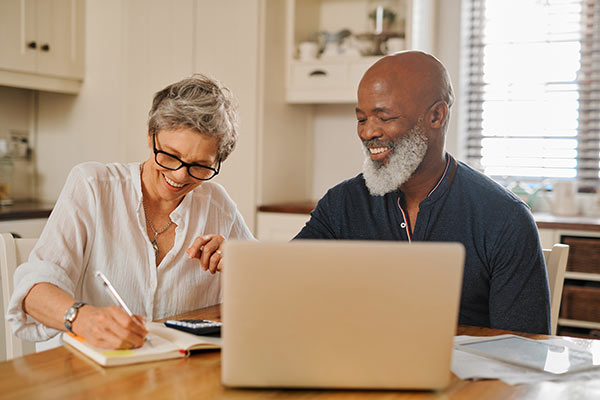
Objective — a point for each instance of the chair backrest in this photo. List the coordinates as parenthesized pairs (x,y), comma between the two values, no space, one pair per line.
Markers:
(13,252)
(556,264)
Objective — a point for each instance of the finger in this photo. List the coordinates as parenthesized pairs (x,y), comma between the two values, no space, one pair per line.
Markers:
(209,248)
(102,327)
(110,336)
(125,338)
(220,265)
(126,326)
(214,261)
(195,249)
(141,319)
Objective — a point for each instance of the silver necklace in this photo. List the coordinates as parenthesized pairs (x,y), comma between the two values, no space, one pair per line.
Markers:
(154,231)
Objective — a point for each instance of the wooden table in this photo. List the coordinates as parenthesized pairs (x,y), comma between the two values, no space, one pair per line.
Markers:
(64,373)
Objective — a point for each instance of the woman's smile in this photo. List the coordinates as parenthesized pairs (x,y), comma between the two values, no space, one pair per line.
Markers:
(172,184)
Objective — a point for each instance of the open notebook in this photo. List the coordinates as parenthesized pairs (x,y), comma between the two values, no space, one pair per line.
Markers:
(164,343)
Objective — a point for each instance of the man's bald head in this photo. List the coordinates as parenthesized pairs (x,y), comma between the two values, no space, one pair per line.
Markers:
(418,76)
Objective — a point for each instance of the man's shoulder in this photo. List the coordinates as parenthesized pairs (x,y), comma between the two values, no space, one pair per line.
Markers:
(355,184)
(485,189)
(351,190)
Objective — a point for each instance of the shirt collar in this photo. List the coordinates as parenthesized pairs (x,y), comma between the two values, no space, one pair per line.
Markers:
(181,213)
(445,181)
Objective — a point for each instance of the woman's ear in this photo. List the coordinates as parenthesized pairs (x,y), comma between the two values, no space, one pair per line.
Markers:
(149,138)
(438,115)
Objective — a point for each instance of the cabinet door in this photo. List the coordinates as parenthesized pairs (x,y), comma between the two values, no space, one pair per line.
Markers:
(60,37)
(17,31)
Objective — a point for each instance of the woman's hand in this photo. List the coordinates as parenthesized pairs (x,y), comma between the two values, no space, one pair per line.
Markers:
(109,327)
(207,249)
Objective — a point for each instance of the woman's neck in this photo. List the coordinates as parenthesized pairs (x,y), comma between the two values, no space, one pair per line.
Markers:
(152,201)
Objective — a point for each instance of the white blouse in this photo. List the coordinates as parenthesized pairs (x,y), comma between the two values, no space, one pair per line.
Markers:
(98,224)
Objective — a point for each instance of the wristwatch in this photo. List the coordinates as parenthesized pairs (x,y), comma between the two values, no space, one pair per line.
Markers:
(71,314)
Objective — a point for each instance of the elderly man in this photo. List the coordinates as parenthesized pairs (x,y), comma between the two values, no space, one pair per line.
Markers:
(411,189)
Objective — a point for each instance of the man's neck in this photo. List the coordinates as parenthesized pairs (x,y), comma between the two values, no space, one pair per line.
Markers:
(425,178)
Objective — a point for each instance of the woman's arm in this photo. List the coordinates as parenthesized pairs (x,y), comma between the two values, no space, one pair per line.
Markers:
(106,327)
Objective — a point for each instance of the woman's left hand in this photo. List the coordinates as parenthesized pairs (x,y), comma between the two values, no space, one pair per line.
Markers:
(207,249)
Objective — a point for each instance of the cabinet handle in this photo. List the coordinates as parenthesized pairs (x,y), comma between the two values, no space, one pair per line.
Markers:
(32,45)
(45,47)
(318,72)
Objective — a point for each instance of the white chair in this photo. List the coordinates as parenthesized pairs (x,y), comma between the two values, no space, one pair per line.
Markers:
(12,253)
(556,265)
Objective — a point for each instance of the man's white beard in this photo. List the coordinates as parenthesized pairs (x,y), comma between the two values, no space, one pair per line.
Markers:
(405,157)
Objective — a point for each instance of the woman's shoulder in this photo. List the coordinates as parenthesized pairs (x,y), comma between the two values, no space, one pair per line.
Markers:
(96,171)
(215,194)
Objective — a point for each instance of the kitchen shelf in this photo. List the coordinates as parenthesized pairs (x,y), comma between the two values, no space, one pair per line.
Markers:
(330,80)
(578,324)
(582,276)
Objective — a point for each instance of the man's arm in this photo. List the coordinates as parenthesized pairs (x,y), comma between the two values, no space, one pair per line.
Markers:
(319,225)
(519,297)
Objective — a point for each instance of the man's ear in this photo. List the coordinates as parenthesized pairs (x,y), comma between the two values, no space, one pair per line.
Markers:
(438,115)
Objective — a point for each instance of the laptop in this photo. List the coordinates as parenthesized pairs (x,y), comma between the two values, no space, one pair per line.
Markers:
(340,314)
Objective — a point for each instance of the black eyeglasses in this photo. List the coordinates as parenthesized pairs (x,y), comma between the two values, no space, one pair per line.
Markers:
(172,163)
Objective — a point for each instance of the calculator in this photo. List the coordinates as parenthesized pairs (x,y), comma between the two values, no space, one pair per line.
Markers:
(201,327)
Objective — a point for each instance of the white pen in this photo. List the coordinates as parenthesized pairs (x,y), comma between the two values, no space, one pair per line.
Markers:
(115,296)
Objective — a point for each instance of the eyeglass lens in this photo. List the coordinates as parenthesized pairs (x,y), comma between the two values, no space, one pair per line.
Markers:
(169,162)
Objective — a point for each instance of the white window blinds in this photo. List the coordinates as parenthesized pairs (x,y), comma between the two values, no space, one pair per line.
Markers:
(532,90)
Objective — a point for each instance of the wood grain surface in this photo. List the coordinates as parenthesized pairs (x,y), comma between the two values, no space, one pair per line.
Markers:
(64,373)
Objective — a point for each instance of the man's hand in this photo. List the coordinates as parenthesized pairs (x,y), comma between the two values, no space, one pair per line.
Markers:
(207,249)
(109,327)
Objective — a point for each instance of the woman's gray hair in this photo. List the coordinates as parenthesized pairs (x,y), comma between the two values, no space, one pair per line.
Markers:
(199,103)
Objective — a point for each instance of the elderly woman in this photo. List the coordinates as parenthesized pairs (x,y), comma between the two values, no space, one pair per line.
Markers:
(154,229)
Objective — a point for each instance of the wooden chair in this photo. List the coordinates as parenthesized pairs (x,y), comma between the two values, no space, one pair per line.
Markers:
(556,265)
(13,252)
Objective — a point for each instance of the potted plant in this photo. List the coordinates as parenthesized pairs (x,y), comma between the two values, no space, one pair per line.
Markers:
(382,18)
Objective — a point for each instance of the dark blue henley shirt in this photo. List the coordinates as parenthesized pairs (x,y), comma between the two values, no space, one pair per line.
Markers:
(505,284)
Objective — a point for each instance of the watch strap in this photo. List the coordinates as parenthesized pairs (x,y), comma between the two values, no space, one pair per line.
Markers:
(71,314)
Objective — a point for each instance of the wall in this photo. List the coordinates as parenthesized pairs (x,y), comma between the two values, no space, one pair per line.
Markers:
(136,47)
(337,150)
(89,126)
(227,47)
(17,114)
(448,50)
(133,49)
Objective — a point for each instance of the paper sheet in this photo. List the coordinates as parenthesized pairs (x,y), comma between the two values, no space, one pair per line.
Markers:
(470,366)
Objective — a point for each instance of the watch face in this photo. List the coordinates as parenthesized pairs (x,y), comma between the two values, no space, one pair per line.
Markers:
(71,313)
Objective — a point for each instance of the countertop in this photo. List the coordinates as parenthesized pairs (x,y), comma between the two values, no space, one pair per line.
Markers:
(25,210)
(30,210)
(543,220)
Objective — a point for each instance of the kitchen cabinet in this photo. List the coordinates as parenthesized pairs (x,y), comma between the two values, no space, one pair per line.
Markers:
(326,81)
(25,228)
(334,78)
(282,221)
(279,226)
(580,305)
(42,44)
